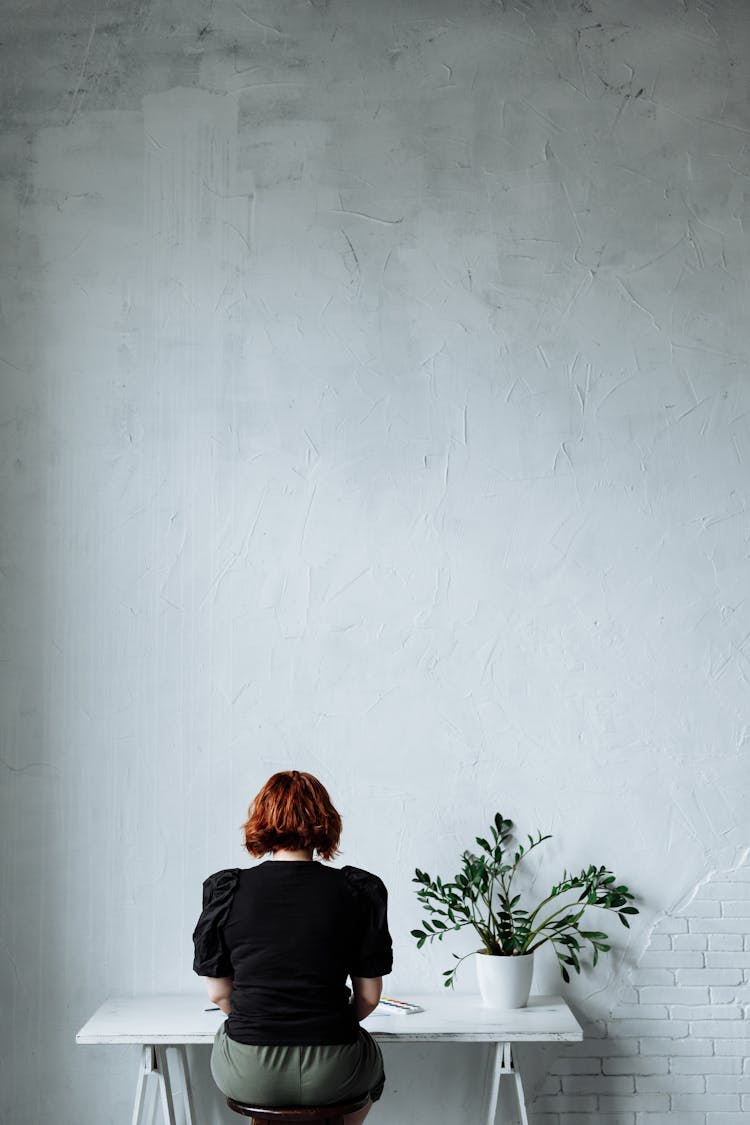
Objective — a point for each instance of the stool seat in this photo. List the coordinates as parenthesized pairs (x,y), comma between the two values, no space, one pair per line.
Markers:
(298,1114)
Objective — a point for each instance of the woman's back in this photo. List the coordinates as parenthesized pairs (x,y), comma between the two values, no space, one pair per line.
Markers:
(277,944)
(289,933)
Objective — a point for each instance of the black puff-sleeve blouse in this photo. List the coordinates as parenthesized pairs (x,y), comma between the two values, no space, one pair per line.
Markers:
(374,953)
(212,957)
(289,934)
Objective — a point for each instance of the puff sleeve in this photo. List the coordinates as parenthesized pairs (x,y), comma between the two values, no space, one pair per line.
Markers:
(372,955)
(211,954)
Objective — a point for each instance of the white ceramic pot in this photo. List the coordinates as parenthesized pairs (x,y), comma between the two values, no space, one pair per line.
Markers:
(504,982)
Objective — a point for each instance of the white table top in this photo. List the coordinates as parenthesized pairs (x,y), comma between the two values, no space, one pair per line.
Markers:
(182,1019)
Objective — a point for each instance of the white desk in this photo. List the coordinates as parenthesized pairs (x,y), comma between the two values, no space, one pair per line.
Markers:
(161,1022)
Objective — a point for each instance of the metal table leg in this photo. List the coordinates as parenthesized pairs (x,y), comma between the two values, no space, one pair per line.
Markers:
(154,1062)
(145,1067)
(502,1065)
(181,1052)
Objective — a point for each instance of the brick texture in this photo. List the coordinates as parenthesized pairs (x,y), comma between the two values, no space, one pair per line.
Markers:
(676,1048)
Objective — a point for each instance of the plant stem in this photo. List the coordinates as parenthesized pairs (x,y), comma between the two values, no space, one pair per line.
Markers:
(494,926)
(544,902)
(547,921)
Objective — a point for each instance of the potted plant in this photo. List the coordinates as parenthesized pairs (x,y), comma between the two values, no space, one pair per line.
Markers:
(482,896)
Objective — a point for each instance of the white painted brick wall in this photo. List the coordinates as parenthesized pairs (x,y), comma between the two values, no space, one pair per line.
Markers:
(676,1049)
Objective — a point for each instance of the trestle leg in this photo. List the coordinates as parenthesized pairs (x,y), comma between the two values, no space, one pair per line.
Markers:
(502,1065)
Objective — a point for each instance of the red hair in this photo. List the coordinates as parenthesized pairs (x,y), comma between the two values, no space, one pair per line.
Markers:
(292,810)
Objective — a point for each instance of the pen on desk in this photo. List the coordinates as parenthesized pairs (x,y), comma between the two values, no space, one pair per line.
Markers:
(212,1009)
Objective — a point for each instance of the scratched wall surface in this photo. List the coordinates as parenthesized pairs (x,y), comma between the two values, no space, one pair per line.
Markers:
(375,400)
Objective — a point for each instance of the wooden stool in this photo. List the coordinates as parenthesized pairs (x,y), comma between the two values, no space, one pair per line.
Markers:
(299,1114)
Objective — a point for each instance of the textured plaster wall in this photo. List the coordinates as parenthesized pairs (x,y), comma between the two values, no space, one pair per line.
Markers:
(374,400)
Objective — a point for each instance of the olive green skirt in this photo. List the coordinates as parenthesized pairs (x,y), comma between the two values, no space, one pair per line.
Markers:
(297,1075)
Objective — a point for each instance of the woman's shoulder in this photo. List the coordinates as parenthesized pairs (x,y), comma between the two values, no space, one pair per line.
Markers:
(220,885)
(221,878)
(364,883)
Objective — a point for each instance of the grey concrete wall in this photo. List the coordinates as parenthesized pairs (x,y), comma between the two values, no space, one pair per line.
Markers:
(374,400)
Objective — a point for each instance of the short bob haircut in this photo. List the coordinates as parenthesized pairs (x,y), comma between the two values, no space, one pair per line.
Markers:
(292,810)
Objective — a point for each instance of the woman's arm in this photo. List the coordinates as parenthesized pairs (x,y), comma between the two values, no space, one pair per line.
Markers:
(367,992)
(220,992)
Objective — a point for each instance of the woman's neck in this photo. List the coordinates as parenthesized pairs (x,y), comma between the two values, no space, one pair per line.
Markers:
(286,854)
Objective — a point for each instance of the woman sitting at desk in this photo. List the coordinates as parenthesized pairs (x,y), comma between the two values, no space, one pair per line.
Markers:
(277,942)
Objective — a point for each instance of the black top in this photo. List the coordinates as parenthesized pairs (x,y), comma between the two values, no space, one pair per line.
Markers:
(289,933)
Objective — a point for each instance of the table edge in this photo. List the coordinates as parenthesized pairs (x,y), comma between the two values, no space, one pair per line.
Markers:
(203,1039)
